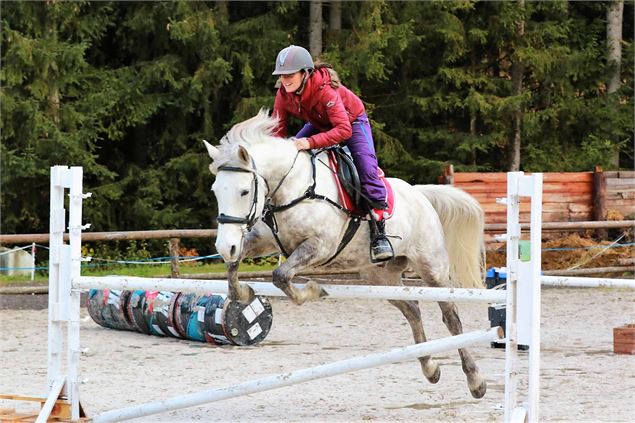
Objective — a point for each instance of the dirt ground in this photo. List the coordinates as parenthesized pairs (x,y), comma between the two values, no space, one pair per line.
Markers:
(582,379)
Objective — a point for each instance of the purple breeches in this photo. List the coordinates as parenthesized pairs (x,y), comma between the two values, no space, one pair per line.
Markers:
(362,149)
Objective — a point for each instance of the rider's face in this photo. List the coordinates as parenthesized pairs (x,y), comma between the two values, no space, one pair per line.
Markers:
(292,82)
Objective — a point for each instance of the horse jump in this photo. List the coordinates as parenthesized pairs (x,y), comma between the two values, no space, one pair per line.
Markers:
(65,283)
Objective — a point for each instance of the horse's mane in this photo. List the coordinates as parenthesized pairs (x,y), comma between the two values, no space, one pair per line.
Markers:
(255,130)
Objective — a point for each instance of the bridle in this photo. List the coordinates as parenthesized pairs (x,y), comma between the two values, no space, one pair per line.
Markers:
(252,217)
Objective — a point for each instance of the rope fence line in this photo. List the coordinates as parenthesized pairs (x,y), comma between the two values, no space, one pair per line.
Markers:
(187,259)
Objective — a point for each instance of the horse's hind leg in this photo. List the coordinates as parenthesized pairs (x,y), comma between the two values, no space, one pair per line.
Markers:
(435,273)
(391,275)
(475,381)
(412,313)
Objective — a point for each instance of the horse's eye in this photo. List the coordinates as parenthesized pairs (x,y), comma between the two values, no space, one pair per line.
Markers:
(244,192)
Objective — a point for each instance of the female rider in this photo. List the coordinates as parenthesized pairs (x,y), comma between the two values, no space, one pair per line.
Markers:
(333,115)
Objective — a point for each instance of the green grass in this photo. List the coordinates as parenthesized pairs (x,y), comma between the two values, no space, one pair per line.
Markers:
(148,271)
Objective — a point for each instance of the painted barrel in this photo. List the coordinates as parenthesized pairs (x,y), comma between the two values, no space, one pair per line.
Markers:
(108,308)
(140,311)
(217,320)
(207,318)
(162,309)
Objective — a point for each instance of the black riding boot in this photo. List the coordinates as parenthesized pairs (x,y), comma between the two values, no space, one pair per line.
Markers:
(380,247)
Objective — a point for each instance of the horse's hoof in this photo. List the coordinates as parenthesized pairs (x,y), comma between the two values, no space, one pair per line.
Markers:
(479,391)
(434,378)
(323,293)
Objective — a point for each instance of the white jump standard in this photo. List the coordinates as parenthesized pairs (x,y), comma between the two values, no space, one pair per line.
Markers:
(65,283)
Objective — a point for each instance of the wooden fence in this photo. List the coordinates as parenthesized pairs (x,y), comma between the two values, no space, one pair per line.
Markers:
(567,196)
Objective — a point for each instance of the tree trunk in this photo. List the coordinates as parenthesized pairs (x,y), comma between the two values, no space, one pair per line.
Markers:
(222,9)
(473,113)
(473,134)
(614,17)
(335,15)
(315,28)
(518,71)
(51,70)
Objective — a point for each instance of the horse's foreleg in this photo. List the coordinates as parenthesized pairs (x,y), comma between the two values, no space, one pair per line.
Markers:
(475,381)
(306,254)
(258,242)
(412,313)
(238,292)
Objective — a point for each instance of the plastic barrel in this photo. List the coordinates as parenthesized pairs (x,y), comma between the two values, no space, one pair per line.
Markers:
(142,315)
(206,318)
(245,324)
(108,308)
(215,319)
(162,309)
(136,312)
(189,315)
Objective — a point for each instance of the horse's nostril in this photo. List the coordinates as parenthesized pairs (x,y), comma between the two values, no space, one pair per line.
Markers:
(232,251)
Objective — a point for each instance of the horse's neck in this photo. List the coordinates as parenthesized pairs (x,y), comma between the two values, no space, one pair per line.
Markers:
(290,176)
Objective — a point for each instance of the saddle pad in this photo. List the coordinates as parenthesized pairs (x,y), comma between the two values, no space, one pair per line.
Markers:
(345,199)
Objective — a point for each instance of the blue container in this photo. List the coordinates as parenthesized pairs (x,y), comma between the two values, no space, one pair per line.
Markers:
(497,313)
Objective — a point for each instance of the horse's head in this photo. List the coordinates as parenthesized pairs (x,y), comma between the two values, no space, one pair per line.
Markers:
(240,193)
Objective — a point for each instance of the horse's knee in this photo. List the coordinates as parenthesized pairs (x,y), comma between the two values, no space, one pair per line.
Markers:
(280,278)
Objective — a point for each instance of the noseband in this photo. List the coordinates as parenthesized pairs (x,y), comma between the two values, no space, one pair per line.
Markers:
(251,218)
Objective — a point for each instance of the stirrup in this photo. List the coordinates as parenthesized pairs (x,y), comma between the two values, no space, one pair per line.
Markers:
(381,250)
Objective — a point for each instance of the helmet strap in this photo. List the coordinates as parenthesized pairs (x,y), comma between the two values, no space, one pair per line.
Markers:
(307,75)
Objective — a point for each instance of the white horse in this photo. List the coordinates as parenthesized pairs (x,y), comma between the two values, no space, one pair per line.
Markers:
(436,231)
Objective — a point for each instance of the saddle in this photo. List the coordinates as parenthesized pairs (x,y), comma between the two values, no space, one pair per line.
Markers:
(349,185)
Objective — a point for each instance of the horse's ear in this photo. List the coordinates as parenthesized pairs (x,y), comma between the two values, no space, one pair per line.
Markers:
(211,150)
(243,154)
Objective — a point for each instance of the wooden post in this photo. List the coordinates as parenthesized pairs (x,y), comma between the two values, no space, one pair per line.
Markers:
(174,257)
(448,175)
(599,199)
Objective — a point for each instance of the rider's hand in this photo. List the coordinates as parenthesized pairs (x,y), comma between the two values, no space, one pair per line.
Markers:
(302,144)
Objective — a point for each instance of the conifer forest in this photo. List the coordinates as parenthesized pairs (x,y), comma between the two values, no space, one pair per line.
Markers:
(129,89)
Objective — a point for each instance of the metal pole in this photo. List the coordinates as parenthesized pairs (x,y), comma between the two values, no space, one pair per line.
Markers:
(57,222)
(75,238)
(299,376)
(33,261)
(533,409)
(572,281)
(511,341)
(268,289)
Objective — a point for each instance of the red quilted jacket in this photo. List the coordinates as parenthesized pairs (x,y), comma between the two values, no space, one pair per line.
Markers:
(329,109)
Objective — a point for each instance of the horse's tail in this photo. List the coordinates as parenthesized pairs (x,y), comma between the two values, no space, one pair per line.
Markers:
(463,226)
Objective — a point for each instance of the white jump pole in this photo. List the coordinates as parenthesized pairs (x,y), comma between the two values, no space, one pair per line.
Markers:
(65,281)
(268,289)
(580,282)
(523,281)
(57,220)
(299,376)
(64,302)
(75,228)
